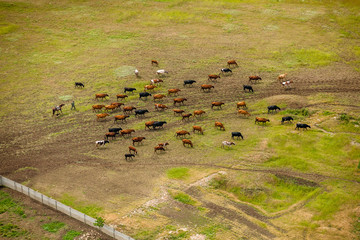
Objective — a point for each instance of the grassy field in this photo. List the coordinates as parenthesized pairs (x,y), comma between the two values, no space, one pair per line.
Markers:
(276,183)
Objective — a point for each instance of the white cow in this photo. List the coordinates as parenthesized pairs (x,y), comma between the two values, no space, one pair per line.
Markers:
(161,72)
(226,143)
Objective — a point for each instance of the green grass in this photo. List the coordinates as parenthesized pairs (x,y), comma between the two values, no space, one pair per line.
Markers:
(7,204)
(9,230)
(70,235)
(7,28)
(178,173)
(183,198)
(89,209)
(53,227)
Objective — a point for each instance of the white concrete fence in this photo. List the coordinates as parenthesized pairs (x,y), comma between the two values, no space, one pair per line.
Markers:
(62,208)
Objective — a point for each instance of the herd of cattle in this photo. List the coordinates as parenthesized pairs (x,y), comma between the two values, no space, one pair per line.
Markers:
(153,125)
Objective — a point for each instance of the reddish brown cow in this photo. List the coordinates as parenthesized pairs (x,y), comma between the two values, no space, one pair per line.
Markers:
(154,62)
(207,87)
(173,91)
(216,104)
(149,124)
(101,95)
(232,62)
(213,77)
(163,144)
(138,140)
(132,149)
(179,100)
(122,96)
(254,78)
(120,117)
(187,142)
(198,128)
(110,107)
(128,108)
(159,148)
(241,105)
(160,107)
(282,76)
(149,87)
(97,107)
(186,116)
(126,132)
(219,125)
(155,81)
(178,111)
(261,120)
(158,96)
(101,115)
(199,113)
(110,134)
(181,133)
(243,112)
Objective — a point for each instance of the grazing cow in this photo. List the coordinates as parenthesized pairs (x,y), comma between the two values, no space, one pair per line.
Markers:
(261,120)
(302,125)
(128,109)
(110,134)
(232,62)
(141,112)
(161,72)
(286,119)
(207,87)
(254,78)
(248,87)
(213,77)
(120,118)
(129,89)
(137,140)
(149,87)
(189,82)
(273,108)
(154,81)
(79,85)
(179,100)
(126,132)
(216,104)
(173,91)
(159,124)
(137,74)
(198,128)
(236,134)
(159,148)
(219,125)
(186,116)
(129,156)
(144,94)
(243,112)
(241,105)
(101,143)
(282,76)
(178,111)
(158,96)
(287,83)
(101,95)
(187,142)
(132,149)
(226,143)
(115,130)
(226,71)
(117,104)
(122,96)
(110,107)
(97,107)
(149,124)
(163,144)
(160,106)
(154,62)
(181,133)
(101,115)
(199,113)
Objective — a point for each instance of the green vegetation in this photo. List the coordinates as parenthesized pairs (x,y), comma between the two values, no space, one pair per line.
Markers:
(70,235)
(89,209)
(178,173)
(8,204)
(183,198)
(53,227)
(99,222)
(9,230)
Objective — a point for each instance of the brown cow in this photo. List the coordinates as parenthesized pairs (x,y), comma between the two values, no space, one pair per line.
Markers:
(173,91)
(122,96)
(282,76)
(186,116)
(126,132)
(241,105)
(110,107)
(101,115)
(163,144)
(254,78)
(132,149)
(128,108)
(232,62)
(261,120)
(158,96)
(149,124)
(160,107)
(110,134)
(101,95)
(154,81)
(199,113)
(117,104)
(181,133)
(198,128)
(187,142)
(178,111)
(216,104)
(243,112)
(97,107)
(213,77)
(121,118)
(138,140)
(179,100)
(219,125)
(159,148)
(154,62)
(207,87)
(149,87)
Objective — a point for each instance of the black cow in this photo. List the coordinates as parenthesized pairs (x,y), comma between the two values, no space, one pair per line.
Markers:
(144,94)
(129,155)
(288,118)
(79,84)
(302,125)
(248,87)
(189,82)
(158,124)
(140,112)
(115,130)
(101,143)
(236,134)
(226,70)
(129,89)
(273,108)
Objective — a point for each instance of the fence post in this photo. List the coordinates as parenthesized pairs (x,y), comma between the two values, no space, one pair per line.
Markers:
(56,205)
(70,211)
(1,181)
(84,218)
(42,199)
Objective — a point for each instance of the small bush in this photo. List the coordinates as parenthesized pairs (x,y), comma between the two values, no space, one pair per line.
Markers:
(99,222)
(70,235)
(53,226)
(219,182)
(344,117)
(184,198)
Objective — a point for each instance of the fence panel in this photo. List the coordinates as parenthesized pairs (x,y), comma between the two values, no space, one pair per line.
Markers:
(61,207)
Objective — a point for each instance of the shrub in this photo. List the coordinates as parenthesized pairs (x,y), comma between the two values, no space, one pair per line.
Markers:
(53,226)
(99,222)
